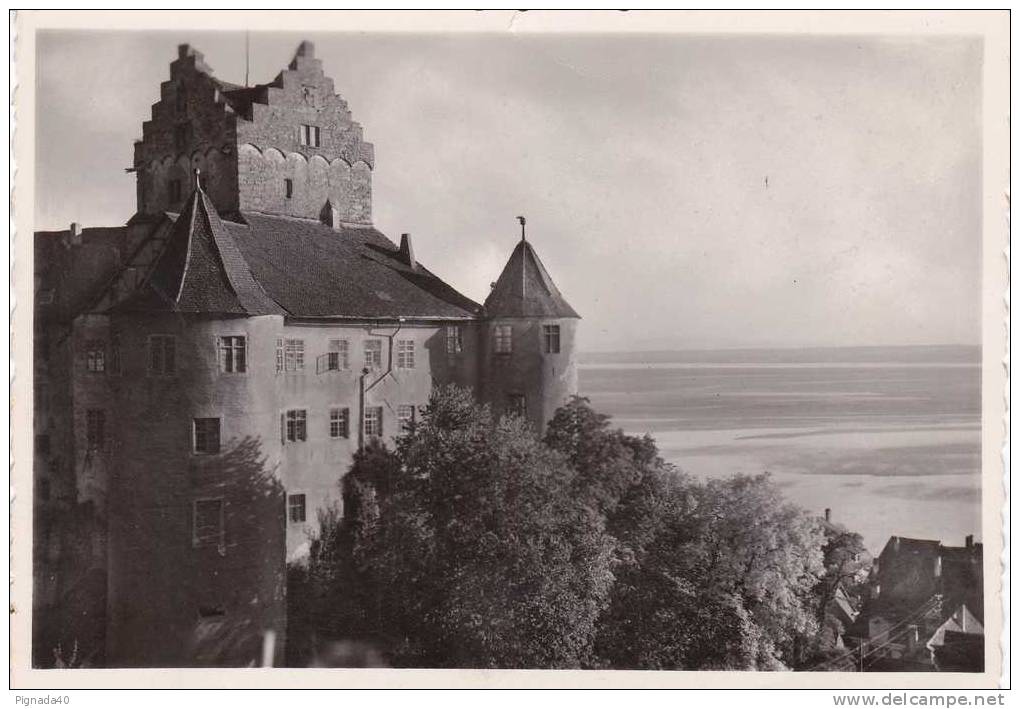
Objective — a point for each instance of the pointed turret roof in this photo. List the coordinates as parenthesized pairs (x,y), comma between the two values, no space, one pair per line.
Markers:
(525,289)
(202,270)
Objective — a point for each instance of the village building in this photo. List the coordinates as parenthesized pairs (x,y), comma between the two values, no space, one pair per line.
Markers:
(926,603)
(205,373)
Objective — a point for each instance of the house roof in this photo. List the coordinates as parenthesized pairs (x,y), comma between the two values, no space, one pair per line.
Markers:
(314,270)
(525,289)
(282,265)
(961,621)
(906,545)
(201,270)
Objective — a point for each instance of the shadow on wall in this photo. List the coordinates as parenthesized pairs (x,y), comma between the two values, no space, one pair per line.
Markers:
(198,551)
(239,579)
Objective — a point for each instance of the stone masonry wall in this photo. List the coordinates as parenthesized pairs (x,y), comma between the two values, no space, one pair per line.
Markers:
(271,149)
(191,127)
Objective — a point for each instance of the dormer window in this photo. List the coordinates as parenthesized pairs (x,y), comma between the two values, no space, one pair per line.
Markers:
(309,135)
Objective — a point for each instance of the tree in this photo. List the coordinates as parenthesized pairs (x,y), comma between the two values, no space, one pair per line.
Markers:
(765,552)
(708,575)
(471,546)
(846,562)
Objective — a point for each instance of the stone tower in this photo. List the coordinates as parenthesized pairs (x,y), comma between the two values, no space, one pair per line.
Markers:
(530,348)
(288,147)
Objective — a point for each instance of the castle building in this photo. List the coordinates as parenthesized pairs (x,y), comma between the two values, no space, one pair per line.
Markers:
(205,373)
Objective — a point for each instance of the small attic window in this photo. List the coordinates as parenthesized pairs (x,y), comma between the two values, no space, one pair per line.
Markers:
(288,187)
(309,135)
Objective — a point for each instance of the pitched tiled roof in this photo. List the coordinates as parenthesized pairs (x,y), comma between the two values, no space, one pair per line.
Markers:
(313,270)
(201,270)
(525,289)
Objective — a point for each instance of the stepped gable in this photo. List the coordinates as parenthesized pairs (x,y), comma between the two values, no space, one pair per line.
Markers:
(201,270)
(525,289)
(315,270)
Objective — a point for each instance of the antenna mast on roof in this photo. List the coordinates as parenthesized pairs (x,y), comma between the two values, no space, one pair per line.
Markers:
(246,33)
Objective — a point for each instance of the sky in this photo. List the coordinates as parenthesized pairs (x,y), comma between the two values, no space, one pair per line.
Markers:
(684,192)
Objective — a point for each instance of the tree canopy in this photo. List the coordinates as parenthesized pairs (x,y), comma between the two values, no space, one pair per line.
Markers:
(476,544)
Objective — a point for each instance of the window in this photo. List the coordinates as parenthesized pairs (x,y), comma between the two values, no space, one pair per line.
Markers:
(162,354)
(95,428)
(233,355)
(373,354)
(309,136)
(288,187)
(338,358)
(405,416)
(290,355)
(373,421)
(207,436)
(516,405)
(181,136)
(95,356)
(405,354)
(339,423)
(208,523)
(551,338)
(504,339)
(296,425)
(296,508)
(175,191)
(454,343)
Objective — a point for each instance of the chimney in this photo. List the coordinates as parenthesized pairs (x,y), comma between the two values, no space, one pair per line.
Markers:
(828,514)
(407,251)
(330,215)
(969,541)
(75,234)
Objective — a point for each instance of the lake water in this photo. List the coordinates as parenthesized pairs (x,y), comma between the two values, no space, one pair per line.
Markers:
(889,438)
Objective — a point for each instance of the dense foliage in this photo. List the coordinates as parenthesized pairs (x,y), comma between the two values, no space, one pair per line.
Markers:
(475,544)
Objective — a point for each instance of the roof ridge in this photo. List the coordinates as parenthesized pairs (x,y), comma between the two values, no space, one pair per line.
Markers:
(187,253)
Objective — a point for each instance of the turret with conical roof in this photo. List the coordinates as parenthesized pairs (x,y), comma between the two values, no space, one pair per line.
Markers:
(530,362)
